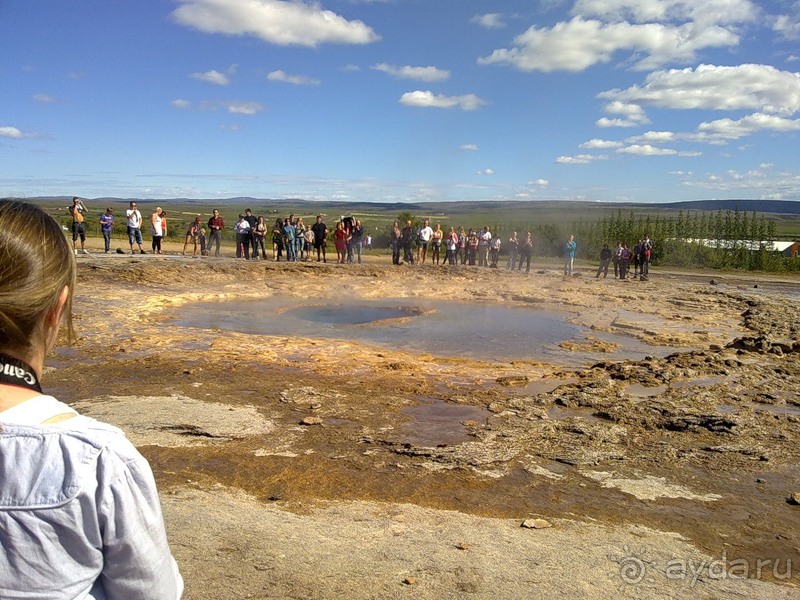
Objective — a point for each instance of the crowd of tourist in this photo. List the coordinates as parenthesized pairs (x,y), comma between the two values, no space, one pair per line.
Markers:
(291,240)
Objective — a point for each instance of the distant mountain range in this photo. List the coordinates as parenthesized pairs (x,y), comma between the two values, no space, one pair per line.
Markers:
(786,207)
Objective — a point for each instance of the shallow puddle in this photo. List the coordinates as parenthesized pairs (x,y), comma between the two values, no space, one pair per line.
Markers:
(487,332)
(643,391)
(439,423)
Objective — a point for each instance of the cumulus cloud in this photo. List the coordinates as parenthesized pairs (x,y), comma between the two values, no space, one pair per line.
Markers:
(711,87)
(234,107)
(541,182)
(580,159)
(645,11)
(293,79)
(654,137)
(273,21)
(730,129)
(650,150)
(489,20)
(428,99)
(212,76)
(243,108)
(418,73)
(653,33)
(486,172)
(595,144)
(469,147)
(788,27)
(11,132)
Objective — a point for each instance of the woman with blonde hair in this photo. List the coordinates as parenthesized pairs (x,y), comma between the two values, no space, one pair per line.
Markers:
(79,511)
(159,228)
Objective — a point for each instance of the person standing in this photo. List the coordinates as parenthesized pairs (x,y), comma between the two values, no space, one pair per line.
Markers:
(605,259)
(192,236)
(462,245)
(260,233)
(299,238)
(425,234)
(277,240)
(216,224)
(513,248)
(107,226)
(451,245)
(252,221)
(134,226)
(407,240)
(569,255)
(495,251)
(436,244)
(646,250)
(77,210)
(484,242)
(616,258)
(158,228)
(320,237)
(357,241)
(80,515)
(340,242)
(395,243)
(242,229)
(288,240)
(525,253)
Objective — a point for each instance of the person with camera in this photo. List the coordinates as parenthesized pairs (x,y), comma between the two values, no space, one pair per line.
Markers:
(79,510)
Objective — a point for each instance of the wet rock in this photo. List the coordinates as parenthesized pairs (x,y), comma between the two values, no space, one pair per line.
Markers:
(509,380)
(694,422)
(536,524)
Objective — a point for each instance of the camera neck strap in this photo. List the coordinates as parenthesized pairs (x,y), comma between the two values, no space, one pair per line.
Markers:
(18,373)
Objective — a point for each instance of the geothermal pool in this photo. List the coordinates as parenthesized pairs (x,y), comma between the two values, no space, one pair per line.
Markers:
(472,330)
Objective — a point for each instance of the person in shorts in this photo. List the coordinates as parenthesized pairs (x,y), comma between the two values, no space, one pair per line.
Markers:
(134,227)
(77,211)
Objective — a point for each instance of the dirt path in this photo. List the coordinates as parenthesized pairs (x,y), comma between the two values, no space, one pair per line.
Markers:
(295,465)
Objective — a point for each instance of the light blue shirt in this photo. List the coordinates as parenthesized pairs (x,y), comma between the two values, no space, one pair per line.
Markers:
(79,515)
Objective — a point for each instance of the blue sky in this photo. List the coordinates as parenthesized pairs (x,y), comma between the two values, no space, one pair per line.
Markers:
(401,100)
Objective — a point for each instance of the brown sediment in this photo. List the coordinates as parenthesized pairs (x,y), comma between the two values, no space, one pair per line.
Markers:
(700,438)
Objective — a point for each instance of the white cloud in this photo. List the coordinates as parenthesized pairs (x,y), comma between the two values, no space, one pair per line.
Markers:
(418,73)
(650,150)
(788,27)
(45,99)
(654,137)
(293,79)
(578,44)
(243,108)
(541,182)
(729,129)
(212,76)
(489,20)
(273,21)
(747,86)
(599,144)
(428,99)
(469,147)
(486,172)
(580,159)
(646,11)
(180,104)
(606,122)
(11,132)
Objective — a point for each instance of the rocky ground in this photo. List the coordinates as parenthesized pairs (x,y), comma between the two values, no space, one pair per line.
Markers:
(300,467)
